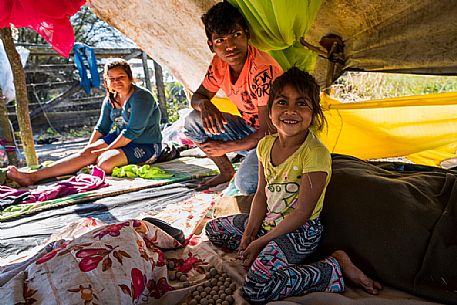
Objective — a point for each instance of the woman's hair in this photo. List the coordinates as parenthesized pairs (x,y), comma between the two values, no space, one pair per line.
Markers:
(222,18)
(118,63)
(304,83)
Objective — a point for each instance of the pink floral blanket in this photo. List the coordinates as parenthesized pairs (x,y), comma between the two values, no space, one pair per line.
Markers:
(123,263)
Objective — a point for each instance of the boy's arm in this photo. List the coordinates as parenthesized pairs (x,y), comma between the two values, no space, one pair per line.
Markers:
(214,148)
(213,121)
(257,212)
(311,187)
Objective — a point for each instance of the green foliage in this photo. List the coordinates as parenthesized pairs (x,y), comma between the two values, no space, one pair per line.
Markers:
(176,100)
(175,97)
(360,86)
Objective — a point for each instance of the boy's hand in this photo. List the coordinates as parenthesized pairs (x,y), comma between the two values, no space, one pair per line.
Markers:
(214,148)
(213,121)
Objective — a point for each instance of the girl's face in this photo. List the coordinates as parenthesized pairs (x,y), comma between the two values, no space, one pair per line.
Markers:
(291,112)
(118,80)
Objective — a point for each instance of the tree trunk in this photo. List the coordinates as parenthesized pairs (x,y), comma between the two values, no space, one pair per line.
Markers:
(22,106)
(161,91)
(7,132)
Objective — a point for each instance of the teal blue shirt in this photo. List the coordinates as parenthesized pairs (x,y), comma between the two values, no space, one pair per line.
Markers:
(138,120)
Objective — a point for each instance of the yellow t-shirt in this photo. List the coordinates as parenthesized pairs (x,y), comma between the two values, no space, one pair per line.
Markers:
(283,181)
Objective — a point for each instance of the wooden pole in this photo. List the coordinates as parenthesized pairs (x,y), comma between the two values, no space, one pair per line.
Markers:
(161,91)
(7,131)
(147,79)
(22,107)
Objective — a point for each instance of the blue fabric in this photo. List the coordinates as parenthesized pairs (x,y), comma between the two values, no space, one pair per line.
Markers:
(83,52)
(138,120)
(137,153)
(246,178)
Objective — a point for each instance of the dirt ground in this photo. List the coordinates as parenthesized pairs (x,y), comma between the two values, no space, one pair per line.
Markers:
(59,150)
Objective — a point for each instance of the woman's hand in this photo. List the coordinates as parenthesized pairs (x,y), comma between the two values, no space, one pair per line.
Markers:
(251,252)
(100,151)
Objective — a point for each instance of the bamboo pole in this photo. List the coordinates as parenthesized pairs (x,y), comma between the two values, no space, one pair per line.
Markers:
(22,107)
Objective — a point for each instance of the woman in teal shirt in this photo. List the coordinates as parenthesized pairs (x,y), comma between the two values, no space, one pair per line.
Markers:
(127,132)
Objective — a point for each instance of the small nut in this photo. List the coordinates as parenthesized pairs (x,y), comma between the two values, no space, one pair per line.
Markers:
(207,289)
(228,291)
(212,271)
(183,278)
(193,302)
(171,264)
(230,299)
(204,302)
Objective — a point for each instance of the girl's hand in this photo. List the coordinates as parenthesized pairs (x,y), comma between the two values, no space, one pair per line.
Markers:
(251,252)
(245,241)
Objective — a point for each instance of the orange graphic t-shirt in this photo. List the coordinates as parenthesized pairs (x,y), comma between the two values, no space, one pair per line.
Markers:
(252,88)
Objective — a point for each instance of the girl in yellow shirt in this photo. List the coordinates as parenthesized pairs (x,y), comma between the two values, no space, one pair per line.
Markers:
(283,227)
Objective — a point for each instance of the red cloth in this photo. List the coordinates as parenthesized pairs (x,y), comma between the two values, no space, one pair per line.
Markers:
(49,18)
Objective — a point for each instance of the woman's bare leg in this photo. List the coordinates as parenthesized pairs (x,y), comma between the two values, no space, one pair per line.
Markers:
(354,274)
(67,165)
(110,159)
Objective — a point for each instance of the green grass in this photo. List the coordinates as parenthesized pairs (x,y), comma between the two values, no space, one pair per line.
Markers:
(361,86)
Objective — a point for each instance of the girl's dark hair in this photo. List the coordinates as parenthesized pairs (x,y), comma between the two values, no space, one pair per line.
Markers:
(304,83)
(222,19)
(116,63)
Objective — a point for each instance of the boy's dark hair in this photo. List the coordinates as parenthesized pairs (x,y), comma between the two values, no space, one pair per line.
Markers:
(118,63)
(222,18)
(304,83)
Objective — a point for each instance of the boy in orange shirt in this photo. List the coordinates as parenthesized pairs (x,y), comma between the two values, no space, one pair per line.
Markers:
(245,75)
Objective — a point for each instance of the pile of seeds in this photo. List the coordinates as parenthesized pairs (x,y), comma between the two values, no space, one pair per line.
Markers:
(174,275)
(217,290)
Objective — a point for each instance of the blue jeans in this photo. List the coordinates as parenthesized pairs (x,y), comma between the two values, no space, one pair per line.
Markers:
(236,128)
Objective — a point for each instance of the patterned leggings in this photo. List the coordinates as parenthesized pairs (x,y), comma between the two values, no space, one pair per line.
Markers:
(276,273)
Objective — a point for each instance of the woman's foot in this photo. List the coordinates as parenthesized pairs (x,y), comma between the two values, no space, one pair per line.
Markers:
(24,179)
(354,275)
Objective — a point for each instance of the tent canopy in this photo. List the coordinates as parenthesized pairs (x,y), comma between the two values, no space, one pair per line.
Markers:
(407,36)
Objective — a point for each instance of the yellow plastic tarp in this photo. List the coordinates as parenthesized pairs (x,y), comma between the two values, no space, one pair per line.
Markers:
(422,128)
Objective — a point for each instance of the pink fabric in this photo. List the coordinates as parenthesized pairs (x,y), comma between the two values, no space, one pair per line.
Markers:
(74,185)
(49,18)
(6,191)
